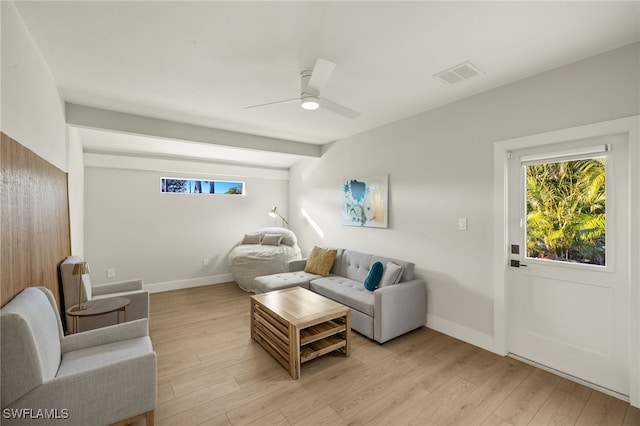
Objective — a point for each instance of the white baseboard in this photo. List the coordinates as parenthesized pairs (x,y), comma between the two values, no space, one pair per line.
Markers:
(190,283)
(484,341)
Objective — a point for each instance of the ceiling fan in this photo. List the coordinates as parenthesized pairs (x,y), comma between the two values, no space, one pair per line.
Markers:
(311,84)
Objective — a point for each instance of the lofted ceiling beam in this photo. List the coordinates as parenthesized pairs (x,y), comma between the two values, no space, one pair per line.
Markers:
(96,118)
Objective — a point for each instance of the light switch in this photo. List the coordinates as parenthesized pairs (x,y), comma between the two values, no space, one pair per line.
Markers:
(462,224)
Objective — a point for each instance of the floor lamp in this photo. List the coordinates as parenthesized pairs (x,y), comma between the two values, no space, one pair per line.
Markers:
(274,213)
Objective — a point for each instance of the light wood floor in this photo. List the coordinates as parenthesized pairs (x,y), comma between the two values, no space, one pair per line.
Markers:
(211,373)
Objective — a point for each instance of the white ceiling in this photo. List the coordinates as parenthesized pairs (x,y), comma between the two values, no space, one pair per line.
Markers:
(201,63)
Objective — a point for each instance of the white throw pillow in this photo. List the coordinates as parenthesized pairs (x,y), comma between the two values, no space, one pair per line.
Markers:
(271,239)
(251,238)
(391,274)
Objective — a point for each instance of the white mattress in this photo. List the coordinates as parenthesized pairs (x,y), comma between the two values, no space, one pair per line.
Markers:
(247,261)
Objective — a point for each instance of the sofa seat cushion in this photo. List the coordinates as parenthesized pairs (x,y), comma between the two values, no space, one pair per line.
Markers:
(346,291)
(268,283)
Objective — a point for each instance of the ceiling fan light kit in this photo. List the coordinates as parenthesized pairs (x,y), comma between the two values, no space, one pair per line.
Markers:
(310,102)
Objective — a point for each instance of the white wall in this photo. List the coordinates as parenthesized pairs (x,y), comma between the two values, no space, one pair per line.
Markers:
(440,165)
(140,232)
(76,192)
(32,110)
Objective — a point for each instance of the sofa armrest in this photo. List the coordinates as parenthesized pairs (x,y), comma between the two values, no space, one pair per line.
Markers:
(296,265)
(119,287)
(105,335)
(399,308)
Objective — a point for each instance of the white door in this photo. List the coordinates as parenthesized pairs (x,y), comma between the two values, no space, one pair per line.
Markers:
(568,285)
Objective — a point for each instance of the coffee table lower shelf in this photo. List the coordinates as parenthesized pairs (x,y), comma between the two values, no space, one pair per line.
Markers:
(321,347)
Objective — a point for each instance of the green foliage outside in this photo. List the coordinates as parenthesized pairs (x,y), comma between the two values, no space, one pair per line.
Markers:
(566,211)
(235,190)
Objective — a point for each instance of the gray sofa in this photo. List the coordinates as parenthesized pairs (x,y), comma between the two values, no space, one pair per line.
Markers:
(382,314)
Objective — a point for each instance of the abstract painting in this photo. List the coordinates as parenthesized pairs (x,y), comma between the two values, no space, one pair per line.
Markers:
(365,202)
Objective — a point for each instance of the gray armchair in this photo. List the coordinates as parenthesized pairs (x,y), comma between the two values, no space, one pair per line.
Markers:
(132,290)
(99,377)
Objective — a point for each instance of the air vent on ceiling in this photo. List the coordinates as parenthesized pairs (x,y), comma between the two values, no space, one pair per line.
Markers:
(458,74)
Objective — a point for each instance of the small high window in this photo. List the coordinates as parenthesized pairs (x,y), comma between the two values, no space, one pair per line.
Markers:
(196,186)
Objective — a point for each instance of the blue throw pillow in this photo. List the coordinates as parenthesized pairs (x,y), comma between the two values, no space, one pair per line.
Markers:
(372,280)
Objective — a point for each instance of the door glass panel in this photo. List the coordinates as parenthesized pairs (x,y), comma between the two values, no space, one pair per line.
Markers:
(566,211)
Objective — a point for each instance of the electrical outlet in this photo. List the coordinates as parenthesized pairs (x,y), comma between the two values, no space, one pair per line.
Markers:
(111,272)
(205,262)
(462,224)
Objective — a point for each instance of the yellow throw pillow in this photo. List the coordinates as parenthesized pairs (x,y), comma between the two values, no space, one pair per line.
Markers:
(320,261)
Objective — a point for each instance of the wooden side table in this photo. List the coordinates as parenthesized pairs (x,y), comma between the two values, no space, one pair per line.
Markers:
(99,307)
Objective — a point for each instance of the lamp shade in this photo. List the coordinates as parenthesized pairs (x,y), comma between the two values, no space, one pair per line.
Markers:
(274,213)
(80,268)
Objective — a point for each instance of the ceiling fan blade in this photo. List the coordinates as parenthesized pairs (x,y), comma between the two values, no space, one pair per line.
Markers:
(320,75)
(272,103)
(339,109)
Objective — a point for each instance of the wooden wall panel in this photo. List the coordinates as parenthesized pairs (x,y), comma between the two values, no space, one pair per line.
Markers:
(34,214)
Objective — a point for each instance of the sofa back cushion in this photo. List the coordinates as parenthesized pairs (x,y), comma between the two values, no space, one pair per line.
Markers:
(30,342)
(356,265)
(337,262)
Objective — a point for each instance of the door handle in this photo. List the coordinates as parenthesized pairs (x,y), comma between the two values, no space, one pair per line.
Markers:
(517,264)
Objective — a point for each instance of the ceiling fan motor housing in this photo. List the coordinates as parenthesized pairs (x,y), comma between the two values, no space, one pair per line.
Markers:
(305,76)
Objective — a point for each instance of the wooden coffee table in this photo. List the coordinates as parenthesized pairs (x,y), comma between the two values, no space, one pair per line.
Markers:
(296,325)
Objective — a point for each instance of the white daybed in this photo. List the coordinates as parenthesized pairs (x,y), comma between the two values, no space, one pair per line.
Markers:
(265,251)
